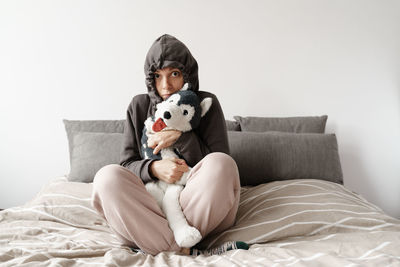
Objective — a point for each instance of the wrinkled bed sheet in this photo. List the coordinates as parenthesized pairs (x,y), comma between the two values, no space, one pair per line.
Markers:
(288,223)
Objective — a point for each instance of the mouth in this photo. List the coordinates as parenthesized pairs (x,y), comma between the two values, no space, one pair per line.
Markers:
(158,125)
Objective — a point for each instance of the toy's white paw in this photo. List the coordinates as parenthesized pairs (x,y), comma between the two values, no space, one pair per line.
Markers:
(187,237)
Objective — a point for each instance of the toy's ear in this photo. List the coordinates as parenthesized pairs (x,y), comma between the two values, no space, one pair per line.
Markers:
(185,87)
(205,105)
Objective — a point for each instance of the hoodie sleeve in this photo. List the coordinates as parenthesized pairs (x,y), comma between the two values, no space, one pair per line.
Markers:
(130,155)
(210,136)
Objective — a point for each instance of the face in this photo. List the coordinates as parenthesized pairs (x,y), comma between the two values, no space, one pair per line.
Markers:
(168,81)
(176,116)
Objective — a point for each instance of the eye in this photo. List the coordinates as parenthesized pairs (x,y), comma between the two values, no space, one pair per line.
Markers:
(156,75)
(175,73)
(185,112)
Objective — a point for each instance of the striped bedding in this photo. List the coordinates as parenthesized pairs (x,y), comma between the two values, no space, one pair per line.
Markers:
(288,223)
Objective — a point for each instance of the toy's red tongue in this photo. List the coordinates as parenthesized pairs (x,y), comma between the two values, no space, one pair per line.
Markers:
(159,125)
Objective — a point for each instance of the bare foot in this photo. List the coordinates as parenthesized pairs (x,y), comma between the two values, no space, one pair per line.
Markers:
(185,251)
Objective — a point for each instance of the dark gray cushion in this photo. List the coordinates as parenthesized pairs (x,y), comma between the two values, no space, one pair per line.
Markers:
(82,149)
(91,152)
(272,156)
(95,143)
(232,125)
(289,124)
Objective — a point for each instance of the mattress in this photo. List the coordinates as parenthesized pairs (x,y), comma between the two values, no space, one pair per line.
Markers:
(302,222)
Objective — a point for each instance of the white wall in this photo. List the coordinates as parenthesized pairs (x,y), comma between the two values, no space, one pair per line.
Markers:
(84,60)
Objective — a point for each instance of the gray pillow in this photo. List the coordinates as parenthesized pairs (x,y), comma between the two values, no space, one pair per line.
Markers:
(289,124)
(92,151)
(273,156)
(79,158)
(95,143)
(232,125)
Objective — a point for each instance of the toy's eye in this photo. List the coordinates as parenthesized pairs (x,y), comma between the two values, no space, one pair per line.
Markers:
(171,101)
(185,112)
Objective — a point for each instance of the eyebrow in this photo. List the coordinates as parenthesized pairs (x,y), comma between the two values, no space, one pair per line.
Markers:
(172,70)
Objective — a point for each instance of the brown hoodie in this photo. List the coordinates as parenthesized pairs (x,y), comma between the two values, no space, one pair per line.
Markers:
(210,136)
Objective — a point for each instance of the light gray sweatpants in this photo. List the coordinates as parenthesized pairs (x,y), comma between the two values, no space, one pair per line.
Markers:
(209,202)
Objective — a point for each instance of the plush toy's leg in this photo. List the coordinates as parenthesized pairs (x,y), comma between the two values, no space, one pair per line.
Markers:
(156,192)
(185,235)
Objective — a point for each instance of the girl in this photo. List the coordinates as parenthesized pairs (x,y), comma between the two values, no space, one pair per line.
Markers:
(211,196)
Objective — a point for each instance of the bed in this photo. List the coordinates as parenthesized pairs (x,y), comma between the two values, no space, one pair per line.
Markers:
(287,218)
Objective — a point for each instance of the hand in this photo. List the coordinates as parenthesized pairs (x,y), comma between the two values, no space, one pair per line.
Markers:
(163,139)
(169,170)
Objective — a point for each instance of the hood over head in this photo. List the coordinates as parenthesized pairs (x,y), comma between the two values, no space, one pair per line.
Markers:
(167,51)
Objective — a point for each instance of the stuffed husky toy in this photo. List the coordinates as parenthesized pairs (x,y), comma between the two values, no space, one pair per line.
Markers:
(181,111)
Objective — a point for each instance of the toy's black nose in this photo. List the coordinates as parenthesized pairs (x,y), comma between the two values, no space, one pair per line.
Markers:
(167,115)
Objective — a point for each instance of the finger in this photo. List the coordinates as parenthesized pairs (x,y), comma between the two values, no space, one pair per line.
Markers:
(179,161)
(172,180)
(151,143)
(176,177)
(182,162)
(181,165)
(156,150)
(182,168)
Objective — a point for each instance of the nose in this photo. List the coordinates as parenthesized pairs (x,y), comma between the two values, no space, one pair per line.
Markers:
(165,83)
(167,115)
